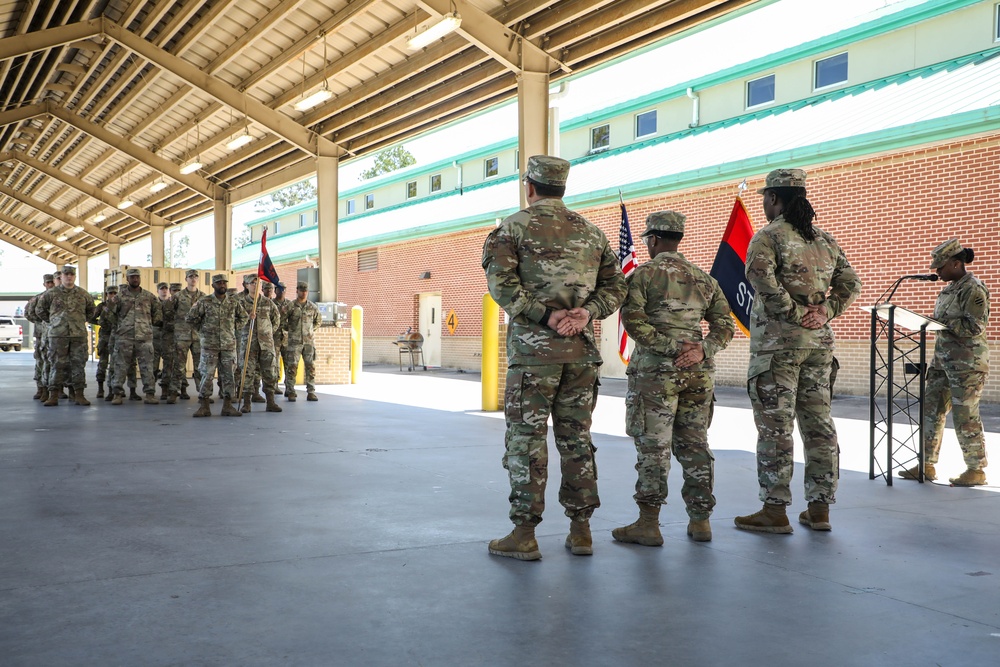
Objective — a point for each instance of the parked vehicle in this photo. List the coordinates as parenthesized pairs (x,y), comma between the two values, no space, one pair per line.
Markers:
(10,334)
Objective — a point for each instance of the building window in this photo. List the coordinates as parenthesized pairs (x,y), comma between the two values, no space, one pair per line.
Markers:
(435,183)
(491,167)
(645,124)
(760,91)
(274,229)
(600,137)
(996,23)
(411,189)
(831,71)
(303,220)
(369,202)
(350,207)
(368,260)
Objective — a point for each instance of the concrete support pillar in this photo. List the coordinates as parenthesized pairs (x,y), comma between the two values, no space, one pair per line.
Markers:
(114,255)
(156,242)
(223,235)
(326,187)
(81,270)
(532,118)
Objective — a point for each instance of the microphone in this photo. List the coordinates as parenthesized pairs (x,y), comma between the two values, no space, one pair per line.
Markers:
(930,277)
(925,276)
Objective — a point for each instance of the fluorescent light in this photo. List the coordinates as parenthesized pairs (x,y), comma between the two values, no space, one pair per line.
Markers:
(317,98)
(239,141)
(78,229)
(100,217)
(192,167)
(156,187)
(36,252)
(46,246)
(449,23)
(61,238)
(125,203)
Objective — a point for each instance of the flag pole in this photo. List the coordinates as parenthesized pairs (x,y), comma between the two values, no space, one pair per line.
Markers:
(246,353)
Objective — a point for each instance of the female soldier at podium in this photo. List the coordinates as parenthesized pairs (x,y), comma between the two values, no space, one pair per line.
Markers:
(957,375)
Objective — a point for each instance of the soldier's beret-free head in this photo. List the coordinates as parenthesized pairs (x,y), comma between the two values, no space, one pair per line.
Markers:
(941,254)
(302,285)
(547,170)
(664,221)
(69,269)
(219,278)
(191,273)
(249,278)
(132,272)
(784,178)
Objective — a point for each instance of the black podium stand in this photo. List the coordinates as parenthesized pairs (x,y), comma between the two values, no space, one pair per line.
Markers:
(898,370)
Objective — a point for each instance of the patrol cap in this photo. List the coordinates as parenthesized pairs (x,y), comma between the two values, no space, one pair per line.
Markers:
(191,273)
(266,286)
(220,278)
(175,287)
(48,278)
(69,269)
(547,170)
(162,286)
(57,272)
(249,278)
(784,178)
(944,252)
(132,272)
(664,221)
(302,285)
(111,289)
(280,287)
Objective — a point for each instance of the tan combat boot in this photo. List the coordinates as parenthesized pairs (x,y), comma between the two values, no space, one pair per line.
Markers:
(700,530)
(311,396)
(110,395)
(100,390)
(118,399)
(43,394)
(53,398)
(204,410)
(171,398)
(38,393)
(930,474)
(271,405)
(150,399)
(969,478)
(229,410)
(645,531)
(246,404)
(133,395)
(817,516)
(291,396)
(520,544)
(770,519)
(579,542)
(80,398)
(257,398)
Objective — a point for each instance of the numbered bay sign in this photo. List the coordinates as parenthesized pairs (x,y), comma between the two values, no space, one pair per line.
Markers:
(451,322)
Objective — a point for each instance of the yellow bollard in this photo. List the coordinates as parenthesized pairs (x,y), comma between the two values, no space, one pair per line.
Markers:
(491,353)
(357,330)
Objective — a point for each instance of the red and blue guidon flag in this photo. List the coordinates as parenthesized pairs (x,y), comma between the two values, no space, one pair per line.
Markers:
(628,260)
(265,270)
(729,267)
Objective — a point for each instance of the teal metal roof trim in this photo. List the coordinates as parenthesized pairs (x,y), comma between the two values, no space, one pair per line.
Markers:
(277,215)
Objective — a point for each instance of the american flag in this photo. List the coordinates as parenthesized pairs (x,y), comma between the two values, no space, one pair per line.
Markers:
(628,260)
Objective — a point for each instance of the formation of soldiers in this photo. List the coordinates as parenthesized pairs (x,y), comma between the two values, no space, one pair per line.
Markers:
(150,337)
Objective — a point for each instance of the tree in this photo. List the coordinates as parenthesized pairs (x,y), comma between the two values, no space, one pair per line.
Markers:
(295,193)
(243,239)
(389,160)
(179,249)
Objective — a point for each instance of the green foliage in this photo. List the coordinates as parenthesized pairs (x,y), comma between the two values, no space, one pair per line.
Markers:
(286,197)
(387,161)
(242,240)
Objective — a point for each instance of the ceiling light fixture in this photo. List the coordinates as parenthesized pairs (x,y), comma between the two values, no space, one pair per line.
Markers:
(46,245)
(240,140)
(124,204)
(159,185)
(61,238)
(321,95)
(37,252)
(192,166)
(449,23)
(100,217)
(78,229)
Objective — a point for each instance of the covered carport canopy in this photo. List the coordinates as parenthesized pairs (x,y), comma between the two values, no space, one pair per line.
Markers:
(104,102)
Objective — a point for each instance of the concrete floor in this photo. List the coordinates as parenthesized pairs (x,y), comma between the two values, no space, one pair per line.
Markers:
(353,531)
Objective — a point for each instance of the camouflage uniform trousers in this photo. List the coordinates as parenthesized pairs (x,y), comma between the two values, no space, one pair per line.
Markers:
(569,393)
(307,352)
(41,363)
(128,353)
(786,385)
(672,411)
(260,365)
(68,360)
(960,392)
(103,357)
(178,377)
(225,362)
(166,357)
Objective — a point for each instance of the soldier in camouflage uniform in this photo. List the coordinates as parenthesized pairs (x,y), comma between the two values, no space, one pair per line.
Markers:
(216,318)
(281,341)
(957,374)
(134,315)
(41,370)
(185,339)
(67,309)
(553,272)
(103,338)
(671,378)
(106,320)
(167,343)
(300,322)
(802,280)
(261,362)
(162,294)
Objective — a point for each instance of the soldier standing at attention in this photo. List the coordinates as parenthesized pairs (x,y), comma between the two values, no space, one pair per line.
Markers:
(185,339)
(301,320)
(957,374)
(553,272)
(41,372)
(281,338)
(167,349)
(67,309)
(216,318)
(260,363)
(162,294)
(671,378)
(135,314)
(103,338)
(802,280)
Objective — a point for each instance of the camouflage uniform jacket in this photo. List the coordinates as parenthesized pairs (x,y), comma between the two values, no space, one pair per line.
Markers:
(217,320)
(169,318)
(282,306)
(667,299)
(41,326)
(789,273)
(181,305)
(301,321)
(99,319)
(964,306)
(67,310)
(547,256)
(135,314)
(268,320)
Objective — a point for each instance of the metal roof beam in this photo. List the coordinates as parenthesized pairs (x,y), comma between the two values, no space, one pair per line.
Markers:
(23,45)
(39,234)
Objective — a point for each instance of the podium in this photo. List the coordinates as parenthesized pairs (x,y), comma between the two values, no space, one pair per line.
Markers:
(899,369)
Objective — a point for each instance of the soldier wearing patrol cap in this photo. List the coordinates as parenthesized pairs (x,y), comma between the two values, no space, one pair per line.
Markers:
(216,318)
(553,272)
(185,339)
(103,337)
(261,362)
(135,314)
(160,369)
(671,378)
(38,331)
(67,309)
(302,319)
(802,280)
(281,336)
(957,374)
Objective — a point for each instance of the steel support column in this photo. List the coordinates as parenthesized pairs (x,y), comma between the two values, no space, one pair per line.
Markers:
(532,118)
(114,255)
(82,273)
(156,243)
(223,236)
(326,186)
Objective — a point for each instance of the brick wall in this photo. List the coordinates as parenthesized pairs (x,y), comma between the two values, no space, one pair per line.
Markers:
(333,355)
